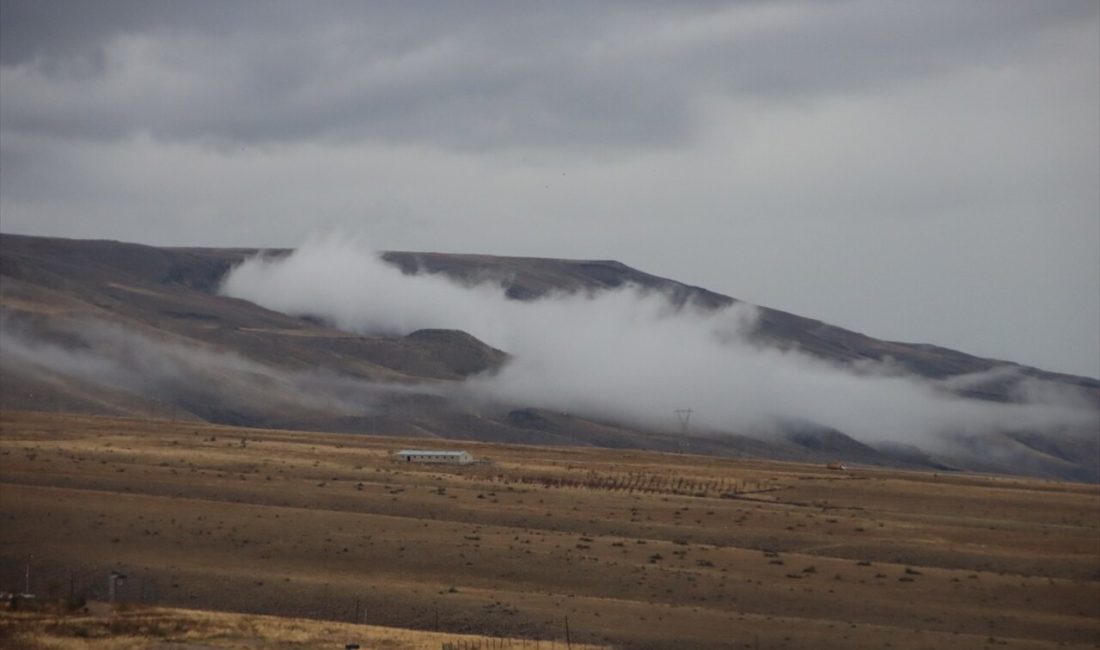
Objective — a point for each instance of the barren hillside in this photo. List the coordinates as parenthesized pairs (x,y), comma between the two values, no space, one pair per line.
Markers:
(68,305)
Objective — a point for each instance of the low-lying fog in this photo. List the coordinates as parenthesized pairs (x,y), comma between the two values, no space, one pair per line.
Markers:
(183,373)
(630,355)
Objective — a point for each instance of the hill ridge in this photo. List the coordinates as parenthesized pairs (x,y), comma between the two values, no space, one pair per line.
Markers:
(52,286)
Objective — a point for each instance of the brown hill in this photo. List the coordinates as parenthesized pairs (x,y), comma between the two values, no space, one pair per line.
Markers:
(139,330)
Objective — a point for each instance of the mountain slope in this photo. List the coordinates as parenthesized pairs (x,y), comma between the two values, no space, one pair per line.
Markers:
(530,278)
(137,330)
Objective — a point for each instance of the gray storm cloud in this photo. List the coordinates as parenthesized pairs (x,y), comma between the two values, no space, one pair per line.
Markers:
(631,355)
(584,75)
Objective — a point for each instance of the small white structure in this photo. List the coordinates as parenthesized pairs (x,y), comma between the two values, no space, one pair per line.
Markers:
(434,456)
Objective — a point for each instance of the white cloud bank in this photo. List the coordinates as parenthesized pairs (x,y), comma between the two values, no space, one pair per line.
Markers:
(630,355)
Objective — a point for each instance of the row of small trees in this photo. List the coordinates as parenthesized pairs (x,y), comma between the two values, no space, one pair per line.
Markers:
(643,483)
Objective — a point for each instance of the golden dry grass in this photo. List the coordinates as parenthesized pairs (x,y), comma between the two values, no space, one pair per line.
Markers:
(142,628)
(636,549)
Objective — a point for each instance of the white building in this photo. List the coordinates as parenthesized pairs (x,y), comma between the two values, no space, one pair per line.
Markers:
(434,456)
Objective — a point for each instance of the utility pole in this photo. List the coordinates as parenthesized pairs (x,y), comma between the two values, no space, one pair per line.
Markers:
(27,588)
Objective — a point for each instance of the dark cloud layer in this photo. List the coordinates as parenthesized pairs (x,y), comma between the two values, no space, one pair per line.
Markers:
(472,75)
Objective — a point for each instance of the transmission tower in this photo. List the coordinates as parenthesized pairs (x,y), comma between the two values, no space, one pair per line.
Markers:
(684,415)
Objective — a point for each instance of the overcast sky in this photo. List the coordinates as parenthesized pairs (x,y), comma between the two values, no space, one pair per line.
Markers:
(921,171)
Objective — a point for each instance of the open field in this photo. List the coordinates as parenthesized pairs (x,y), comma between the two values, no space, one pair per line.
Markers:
(635,549)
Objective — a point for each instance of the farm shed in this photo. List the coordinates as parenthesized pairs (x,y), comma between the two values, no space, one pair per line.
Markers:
(434,456)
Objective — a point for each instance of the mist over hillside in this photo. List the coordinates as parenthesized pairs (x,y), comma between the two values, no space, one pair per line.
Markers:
(334,336)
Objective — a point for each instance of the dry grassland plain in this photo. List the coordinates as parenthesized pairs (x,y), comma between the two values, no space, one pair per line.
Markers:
(633,549)
(141,627)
